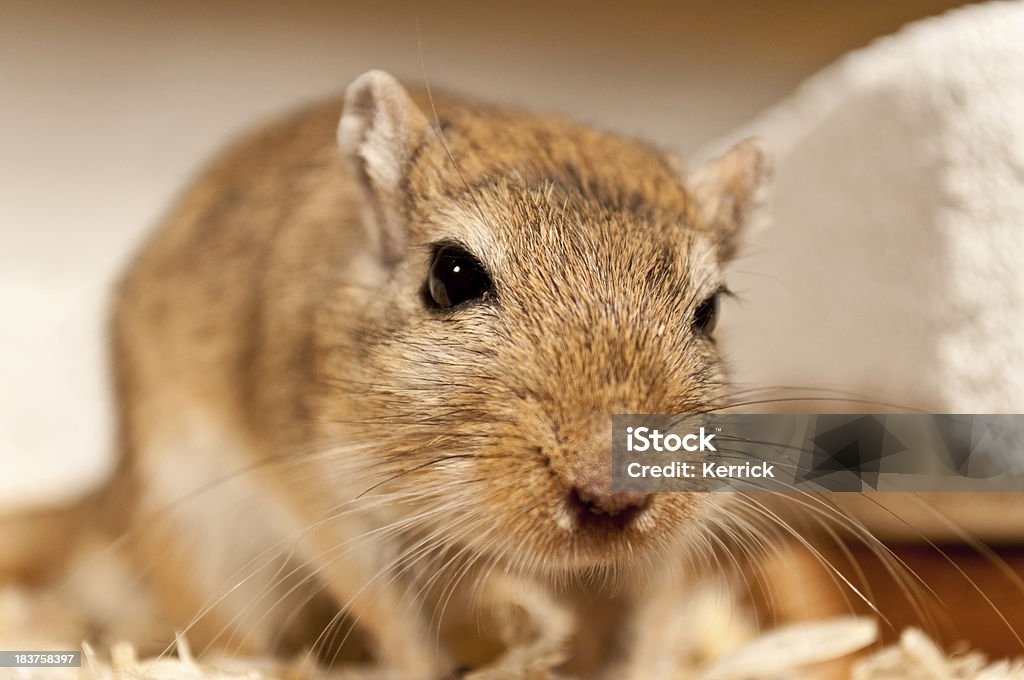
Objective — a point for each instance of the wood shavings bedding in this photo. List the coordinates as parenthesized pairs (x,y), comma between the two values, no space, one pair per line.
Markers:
(37,621)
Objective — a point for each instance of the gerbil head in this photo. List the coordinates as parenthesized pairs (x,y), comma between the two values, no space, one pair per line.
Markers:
(532,277)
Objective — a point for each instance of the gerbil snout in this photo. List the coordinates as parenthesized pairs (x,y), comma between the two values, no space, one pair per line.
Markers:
(585,470)
(597,507)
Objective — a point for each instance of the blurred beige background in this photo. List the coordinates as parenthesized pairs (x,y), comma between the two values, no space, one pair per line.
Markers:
(108,108)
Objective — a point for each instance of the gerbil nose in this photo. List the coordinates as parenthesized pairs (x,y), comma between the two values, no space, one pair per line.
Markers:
(584,465)
(602,501)
(593,500)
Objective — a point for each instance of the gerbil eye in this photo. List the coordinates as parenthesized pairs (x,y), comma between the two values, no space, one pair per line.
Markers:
(456,277)
(706,316)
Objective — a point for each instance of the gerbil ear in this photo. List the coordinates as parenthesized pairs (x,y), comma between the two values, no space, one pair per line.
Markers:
(726,190)
(380,129)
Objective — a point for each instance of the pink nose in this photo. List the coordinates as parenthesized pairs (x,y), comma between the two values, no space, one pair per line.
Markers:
(597,499)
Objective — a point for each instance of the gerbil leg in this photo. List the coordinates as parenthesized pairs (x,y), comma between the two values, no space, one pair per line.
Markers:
(366,583)
(680,626)
(533,627)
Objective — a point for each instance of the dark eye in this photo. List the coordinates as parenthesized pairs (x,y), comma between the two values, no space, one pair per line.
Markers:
(456,277)
(706,316)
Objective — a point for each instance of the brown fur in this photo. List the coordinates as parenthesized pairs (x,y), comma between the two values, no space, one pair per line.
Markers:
(272,335)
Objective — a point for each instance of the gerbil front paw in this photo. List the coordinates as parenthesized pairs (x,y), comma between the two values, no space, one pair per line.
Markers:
(533,627)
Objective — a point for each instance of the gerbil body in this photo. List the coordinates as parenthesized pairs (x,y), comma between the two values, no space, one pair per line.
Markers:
(322,416)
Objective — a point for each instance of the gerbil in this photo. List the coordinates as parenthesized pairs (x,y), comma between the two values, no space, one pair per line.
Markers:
(367,370)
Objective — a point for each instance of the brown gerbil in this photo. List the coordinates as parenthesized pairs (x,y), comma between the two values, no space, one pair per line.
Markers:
(383,378)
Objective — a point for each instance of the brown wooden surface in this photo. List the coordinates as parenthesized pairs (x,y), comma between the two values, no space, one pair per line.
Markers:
(961,596)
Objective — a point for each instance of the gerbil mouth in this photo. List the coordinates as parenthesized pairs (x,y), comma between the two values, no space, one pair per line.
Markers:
(597,515)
